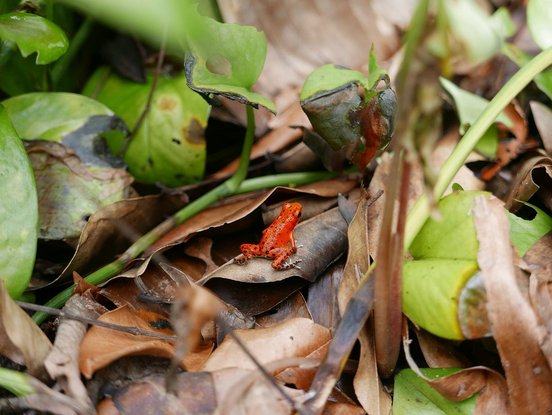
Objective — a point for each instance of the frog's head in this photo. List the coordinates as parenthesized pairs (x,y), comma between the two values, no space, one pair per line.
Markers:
(292,211)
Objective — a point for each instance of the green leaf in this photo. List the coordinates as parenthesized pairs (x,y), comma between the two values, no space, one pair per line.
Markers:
(469,106)
(20,75)
(52,115)
(525,233)
(413,396)
(539,16)
(431,293)
(169,146)
(543,80)
(33,34)
(480,36)
(18,210)
(452,234)
(328,79)
(225,59)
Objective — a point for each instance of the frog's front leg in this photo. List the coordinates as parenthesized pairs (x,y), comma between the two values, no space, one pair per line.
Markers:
(280,255)
(248,251)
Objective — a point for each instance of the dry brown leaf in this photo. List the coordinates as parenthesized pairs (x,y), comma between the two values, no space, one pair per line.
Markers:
(323,239)
(293,338)
(439,352)
(241,391)
(237,208)
(276,140)
(513,322)
(543,120)
(292,307)
(322,297)
(358,254)
(368,387)
(21,339)
(101,346)
(195,395)
(62,363)
(378,185)
(540,293)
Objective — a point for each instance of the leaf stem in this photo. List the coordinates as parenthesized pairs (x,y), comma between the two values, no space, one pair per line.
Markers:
(421,210)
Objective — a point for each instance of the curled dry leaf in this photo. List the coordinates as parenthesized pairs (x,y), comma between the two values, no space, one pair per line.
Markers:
(534,175)
(21,339)
(293,338)
(490,385)
(513,321)
(102,346)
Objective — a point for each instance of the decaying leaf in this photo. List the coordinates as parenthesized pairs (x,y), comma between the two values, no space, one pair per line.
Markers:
(70,190)
(513,321)
(21,339)
(293,338)
(102,346)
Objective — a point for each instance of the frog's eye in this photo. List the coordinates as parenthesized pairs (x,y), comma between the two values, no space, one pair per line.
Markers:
(299,214)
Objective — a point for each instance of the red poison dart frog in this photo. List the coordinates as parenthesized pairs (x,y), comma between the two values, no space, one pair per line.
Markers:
(277,241)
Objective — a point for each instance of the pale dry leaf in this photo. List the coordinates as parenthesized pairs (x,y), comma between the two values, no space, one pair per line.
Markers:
(293,338)
(513,322)
(368,387)
(21,339)
(358,254)
(62,363)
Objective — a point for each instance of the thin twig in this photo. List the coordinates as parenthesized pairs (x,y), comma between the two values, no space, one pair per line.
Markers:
(63,314)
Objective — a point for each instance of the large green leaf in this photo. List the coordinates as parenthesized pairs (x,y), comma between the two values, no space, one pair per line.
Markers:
(18,210)
(225,59)
(52,115)
(413,396)
(431,293)
(32,34)
(75,174)
(169,146)
(452,234)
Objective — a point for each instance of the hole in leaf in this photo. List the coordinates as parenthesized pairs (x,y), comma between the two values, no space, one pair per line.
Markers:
(219,65)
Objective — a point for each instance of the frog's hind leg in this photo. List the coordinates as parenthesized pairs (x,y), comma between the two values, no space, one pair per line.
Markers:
(280,256)
(248,251)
